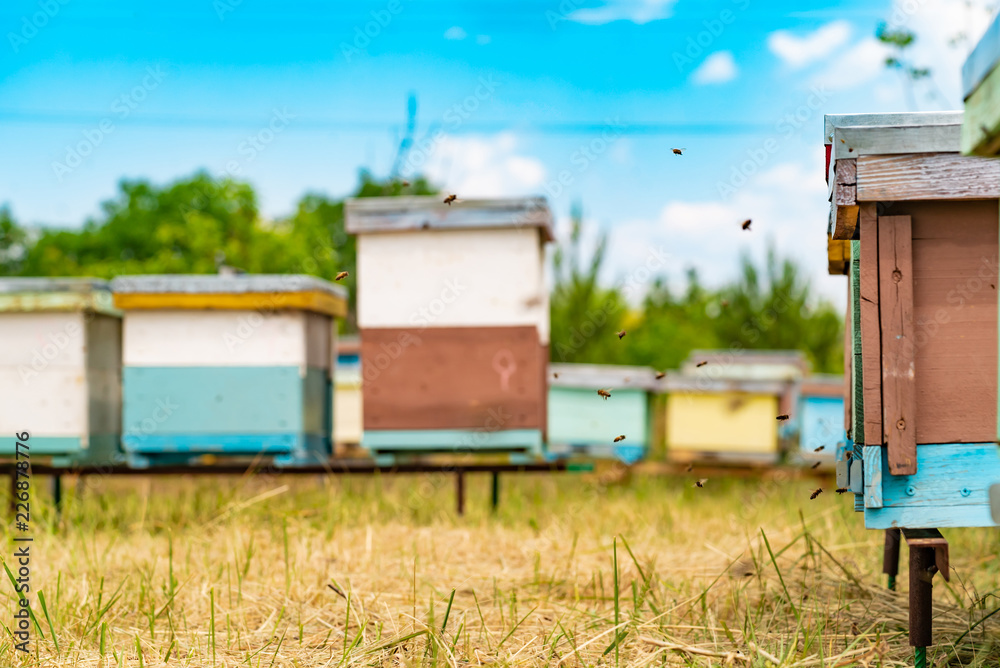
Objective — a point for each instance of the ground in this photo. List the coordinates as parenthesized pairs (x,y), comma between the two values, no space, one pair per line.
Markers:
(381,571)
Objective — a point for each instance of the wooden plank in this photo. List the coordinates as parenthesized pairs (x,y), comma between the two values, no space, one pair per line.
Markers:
(846,171)
(848,365)
(898,372)
(857,384)
(955,285)
(857,142)
(948,474)
(871,332)
(846,220)
(873,476)
(926,176)
(313,300)
(943,517)
(838,253)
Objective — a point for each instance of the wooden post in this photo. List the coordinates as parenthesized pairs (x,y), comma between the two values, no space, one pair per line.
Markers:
(460,491)
(921,588)
(57,494)
(895,241)
(495,496)
(890,557)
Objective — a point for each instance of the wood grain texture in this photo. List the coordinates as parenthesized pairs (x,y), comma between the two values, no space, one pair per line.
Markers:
(848,365)
(857,374)
(845,195)
(927,176)
(873,475)
(955,281)
(847,171)
(871,330)
(487,378)
(898,371)
(846,221)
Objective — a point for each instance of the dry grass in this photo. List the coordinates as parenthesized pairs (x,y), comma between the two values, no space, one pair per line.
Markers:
(302,572)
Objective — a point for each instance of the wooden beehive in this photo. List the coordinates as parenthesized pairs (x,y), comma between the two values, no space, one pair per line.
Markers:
(727,408)
(453,315)
(981,85)
(347,428)
(579,423)
(819,418)
(60,369)
(921,349)
(235,366)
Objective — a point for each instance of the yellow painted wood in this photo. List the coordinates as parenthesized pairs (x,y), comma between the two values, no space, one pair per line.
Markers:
(722,422)
(312,300)
(347,412)
(838,254)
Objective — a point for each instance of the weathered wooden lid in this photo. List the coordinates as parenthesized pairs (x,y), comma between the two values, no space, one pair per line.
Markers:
(681,383)
(750,365)
(855,135)
(241,292)
(600,376)
(367,215)
(36,294)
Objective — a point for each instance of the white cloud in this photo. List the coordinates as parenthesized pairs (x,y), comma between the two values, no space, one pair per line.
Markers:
(476,166)
(719,67)
(636,11)
(800,51)
(787,204)
(455,32)
(861,63)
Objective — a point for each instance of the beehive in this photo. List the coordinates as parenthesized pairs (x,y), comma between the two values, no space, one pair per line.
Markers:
(580,423)
(454,321)
(819,418)
(347,428)
(60,369)
(981,86)
(235,366)
(921,352)
(726,409)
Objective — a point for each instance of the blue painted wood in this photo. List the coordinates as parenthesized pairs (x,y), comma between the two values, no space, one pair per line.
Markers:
(575,419)
(821,423)
(41,445)
(873,476)
(857,477)
(451,440)
(215,400)
(212,443)
(189,450)
(949,489)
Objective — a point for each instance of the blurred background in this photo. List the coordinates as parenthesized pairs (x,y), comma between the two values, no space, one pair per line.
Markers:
(175,138)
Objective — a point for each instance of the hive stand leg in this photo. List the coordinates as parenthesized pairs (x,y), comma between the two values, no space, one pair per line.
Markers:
(890,557)
(495,496)
(460,491)
(921,587)
(57,494)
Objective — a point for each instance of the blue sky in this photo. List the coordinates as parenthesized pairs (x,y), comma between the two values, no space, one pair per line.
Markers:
(512,97)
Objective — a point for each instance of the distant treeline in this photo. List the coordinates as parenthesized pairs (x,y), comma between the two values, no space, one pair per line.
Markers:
(195,224)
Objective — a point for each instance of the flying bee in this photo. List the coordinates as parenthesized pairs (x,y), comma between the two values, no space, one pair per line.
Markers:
(619,438)
(842,490)
(822,447)
(746,224)
(555,375)
(449,199)
(341,276)
(701,482)
(660,374)
(678,151)
(816,465)
(701,364)
(724,303)
(621,335)
(533,302)
(604,393)
(690,468)
(854,629)
(819,490)
(406,184)
(781,418)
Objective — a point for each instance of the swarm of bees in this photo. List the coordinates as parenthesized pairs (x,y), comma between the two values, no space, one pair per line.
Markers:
(341,276)
(678,151)
(604,393)
(819,490)
(621,335)
(781,418)
(746,224)
(619,438)
(449,199)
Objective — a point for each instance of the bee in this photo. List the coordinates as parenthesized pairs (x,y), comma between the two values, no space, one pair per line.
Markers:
(621,335)
(842,490)
(822,447)
(533,302)
(701,364)
(746,224)
(449,199)
(724,303)
(660,374)
(678,151)
(816,465)
(781,418)
(700,482)
(690,468)
(604,393)
(406,184)
(819,490)
(854,629)
(555,375)
(341,276)
(619,438)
